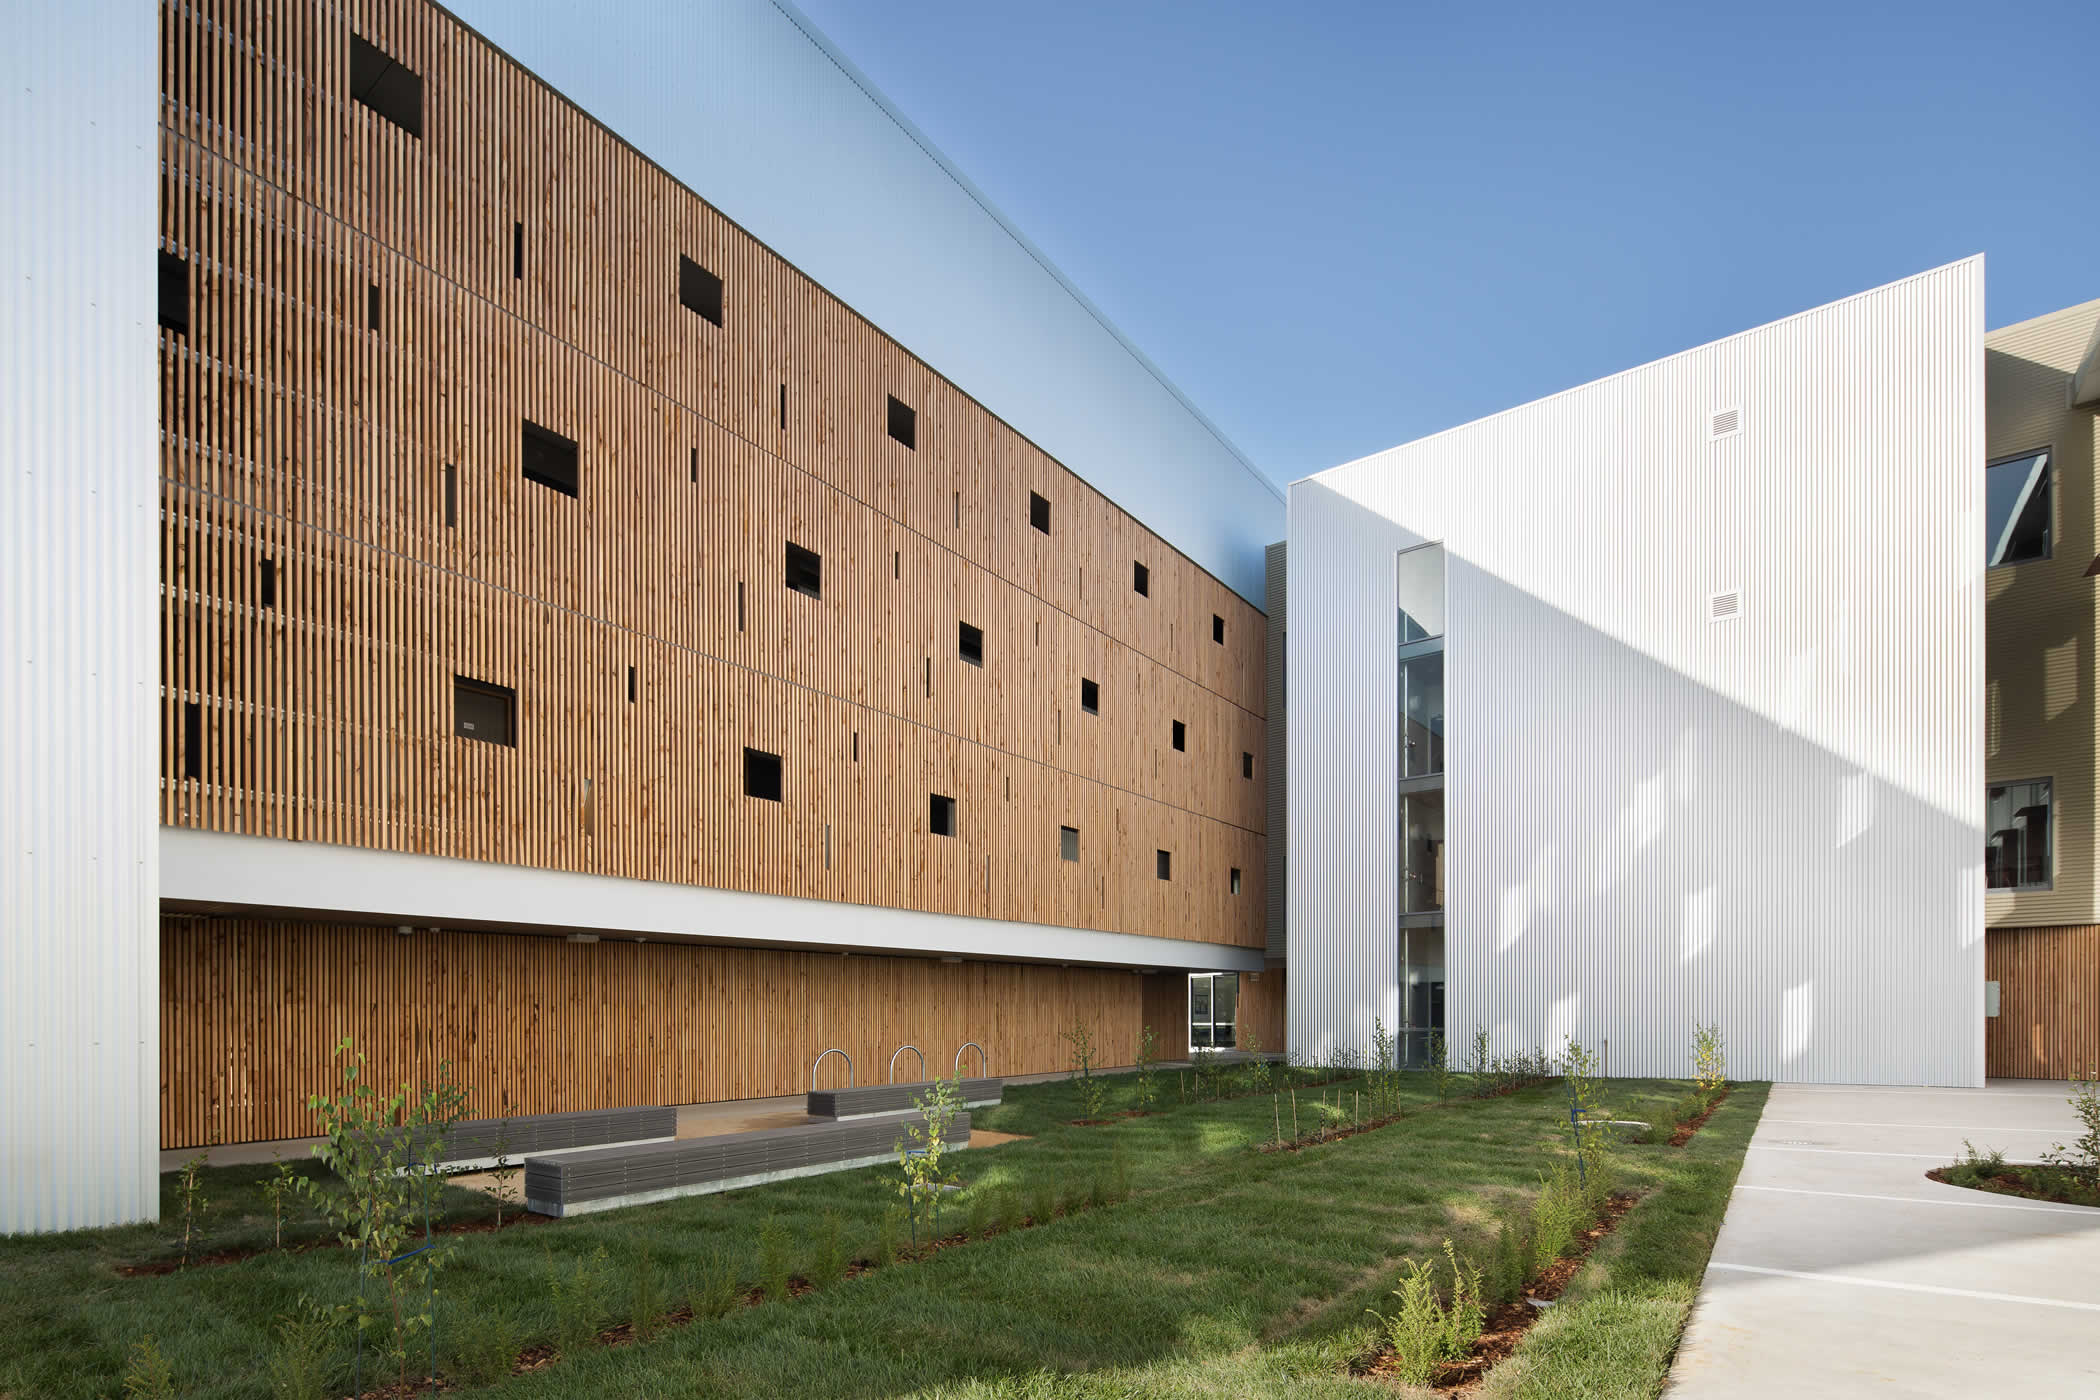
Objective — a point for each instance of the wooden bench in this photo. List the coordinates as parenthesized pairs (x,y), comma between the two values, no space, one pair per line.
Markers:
(843,1104)
(577,1183)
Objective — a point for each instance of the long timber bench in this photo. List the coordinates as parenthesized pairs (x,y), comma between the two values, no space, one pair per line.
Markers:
(476,1143)
(844,1104)
(580,1182)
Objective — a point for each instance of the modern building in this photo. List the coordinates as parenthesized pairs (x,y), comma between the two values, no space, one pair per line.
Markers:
(588,650)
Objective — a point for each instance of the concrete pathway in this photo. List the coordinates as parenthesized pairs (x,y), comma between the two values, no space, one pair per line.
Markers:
(1842,1271)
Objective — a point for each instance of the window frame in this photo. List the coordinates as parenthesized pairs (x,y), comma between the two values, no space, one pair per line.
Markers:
(969,643)
(1068,844)
(802,570)
(2047,452)
(2048,882)
(505,695)
(941,815)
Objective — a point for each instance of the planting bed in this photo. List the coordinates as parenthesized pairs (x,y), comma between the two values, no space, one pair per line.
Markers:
(1685,1129)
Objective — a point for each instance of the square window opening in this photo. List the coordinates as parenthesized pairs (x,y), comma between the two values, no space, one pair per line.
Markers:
(805,570)
(1068,843)
(382,83)
(904,423)
(969,643)
(1039,512)
(1089,696)
(550,459)
(940,814)
(762,775)
(483,711)
(2017,854)
(699,291)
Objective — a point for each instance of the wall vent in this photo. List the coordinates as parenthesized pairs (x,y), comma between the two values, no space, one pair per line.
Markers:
(1726,422)
(1724,607)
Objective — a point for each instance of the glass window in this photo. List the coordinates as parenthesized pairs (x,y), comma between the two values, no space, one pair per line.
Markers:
(2016,509)
(1421,714)
(2016,851)
(1213,1002)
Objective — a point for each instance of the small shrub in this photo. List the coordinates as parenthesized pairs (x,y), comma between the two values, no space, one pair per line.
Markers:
(646,1304)
(484,1346)
(717,1291)
(1042,1200)
(1483,1065)
(1688,1109)
(298,1364)
(775,1272)
(1424,1330)
(1093,1091)
(504,1170)
(2081,1159)
(1709,1061)
(189,1190)
(920,1151)
(1147,1058)
(1511,1263)
(1556,1215)
(578,1296)
(1440,1065)
(830,1265)
(277,1189)
(148,1376)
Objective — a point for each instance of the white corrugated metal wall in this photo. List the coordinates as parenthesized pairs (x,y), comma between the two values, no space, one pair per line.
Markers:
(1774,822)
(79,569)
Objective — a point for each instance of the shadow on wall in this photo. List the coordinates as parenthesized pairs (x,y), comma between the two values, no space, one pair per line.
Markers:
(1633,850)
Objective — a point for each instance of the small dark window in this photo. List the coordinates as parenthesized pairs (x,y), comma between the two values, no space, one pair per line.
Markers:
(699,291)
(805,570)
(1089,696)
(1181,735)
(1039,512)
(692,465)
(904,423)
(1165,865)
(762,774)
(550,459)
(1217,629)
(372,307)
(517,252)
(266,583)
(1247,765)
(381,83)
(1068,843)
(451,495)
(783,408)
(174,294)
(1141,579)
(940,815)
(1235,879)
(969,644)
(192,740)
(630,685)
(485,712)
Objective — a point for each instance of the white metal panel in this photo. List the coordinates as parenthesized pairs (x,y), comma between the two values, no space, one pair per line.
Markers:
(79,566)
(727,94)
(1773,822)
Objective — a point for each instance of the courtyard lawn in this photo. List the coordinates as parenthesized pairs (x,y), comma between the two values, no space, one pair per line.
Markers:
(1227,1272)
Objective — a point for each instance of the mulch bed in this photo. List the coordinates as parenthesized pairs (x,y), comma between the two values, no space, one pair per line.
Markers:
(1334,1134)
(217,1257)
(1506,1325)
(2014,1182)
(1684,1131)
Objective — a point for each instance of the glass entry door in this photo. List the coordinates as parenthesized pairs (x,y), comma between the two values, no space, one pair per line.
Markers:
(1214,999)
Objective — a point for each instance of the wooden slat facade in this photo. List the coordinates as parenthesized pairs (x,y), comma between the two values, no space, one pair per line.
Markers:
(299,434)
(2048,1021)
(251,1011)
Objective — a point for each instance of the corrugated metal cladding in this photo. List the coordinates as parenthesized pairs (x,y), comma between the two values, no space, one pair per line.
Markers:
(1772,823)
(1274,753)
(728,94)
(79,963)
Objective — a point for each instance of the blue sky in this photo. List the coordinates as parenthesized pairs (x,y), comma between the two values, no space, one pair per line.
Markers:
(1339,227)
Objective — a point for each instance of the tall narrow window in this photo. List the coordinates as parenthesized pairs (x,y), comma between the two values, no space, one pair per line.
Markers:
(372,307)
(266,583)
(451,495)
(940,814)
(969,644)
(1039,512)
(1068,843)
(2016,847)
(699,291)
(1140,579)
(762,775)
(484,711)
(550,459)
(1235,881)
(517,251)
(380,82)
(174,294)
(1089,696)
(1247,765)
(192,740)
(1217,629)
(1164,865)
(805,570)
(630,685)
(783,408)
(1181,735)
(2016,509)
(904,423)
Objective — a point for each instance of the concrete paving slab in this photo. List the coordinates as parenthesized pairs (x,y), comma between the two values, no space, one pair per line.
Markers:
(1842,1270)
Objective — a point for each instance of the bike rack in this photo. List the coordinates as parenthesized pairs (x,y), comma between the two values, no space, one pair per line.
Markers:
(984,1062)
(900,1050)
(834,1050)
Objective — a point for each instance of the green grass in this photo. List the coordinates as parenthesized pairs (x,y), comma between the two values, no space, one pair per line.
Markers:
(1229,1272)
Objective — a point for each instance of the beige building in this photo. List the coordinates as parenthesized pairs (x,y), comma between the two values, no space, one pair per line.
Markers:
(2042,614)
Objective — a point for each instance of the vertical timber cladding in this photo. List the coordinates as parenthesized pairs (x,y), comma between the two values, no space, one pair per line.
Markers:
(2048,1021)
(302,437)
(252,1011)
